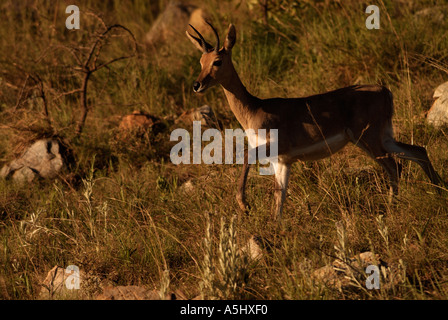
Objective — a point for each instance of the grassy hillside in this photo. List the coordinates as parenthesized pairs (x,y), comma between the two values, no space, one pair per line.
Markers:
(120,213)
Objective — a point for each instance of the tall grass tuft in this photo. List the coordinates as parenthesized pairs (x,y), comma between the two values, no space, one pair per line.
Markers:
(225,269)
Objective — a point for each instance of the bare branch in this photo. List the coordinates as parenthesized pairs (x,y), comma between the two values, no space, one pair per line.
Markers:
(94,53)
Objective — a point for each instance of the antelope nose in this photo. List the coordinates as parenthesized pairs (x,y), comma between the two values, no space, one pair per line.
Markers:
(196,86)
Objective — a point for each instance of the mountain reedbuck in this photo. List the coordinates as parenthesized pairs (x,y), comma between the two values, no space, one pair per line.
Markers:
(309,128)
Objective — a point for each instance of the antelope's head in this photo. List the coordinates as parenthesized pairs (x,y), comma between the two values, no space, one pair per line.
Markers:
(216,63)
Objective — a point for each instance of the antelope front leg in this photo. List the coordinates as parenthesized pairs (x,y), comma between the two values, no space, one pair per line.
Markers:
(282,172)
(241,195)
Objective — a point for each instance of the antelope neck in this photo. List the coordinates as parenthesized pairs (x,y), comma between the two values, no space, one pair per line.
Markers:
(241,102)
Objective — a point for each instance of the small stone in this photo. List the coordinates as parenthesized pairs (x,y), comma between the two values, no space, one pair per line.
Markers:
(252,249)
(187,187)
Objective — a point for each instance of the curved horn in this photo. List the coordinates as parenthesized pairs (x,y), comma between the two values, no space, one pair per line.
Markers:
(216,35)
(204,44)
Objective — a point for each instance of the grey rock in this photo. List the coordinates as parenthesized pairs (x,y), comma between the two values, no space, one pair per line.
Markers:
(42,159)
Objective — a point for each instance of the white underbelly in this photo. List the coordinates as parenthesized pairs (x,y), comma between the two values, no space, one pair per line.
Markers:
(264,154)
(321,149)
(259,139)
(316,151)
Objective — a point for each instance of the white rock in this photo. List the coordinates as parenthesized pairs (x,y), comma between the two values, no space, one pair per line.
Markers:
(438,114)
(42,159)
(441,90)
(252,249)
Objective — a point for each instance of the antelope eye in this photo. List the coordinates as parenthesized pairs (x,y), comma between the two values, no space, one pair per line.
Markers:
(217,63)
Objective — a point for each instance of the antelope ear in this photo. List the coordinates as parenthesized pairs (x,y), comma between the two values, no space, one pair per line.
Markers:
(231,38)
(196,41)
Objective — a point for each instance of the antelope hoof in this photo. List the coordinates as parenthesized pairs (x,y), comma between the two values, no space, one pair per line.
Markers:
(244,206)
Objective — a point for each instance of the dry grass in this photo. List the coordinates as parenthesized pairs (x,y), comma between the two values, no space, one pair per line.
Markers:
(126,219)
